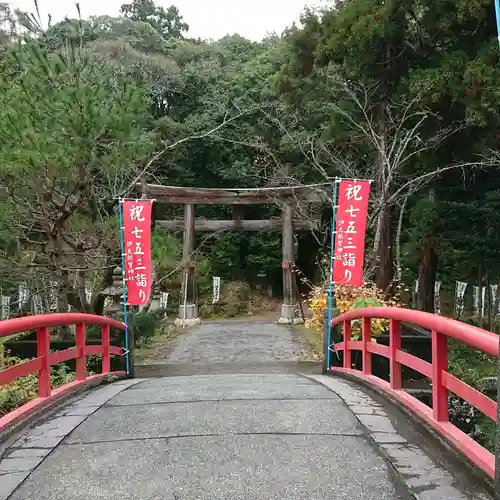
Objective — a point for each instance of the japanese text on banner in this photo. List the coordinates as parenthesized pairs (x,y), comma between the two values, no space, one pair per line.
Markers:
(137,247)
(349,247)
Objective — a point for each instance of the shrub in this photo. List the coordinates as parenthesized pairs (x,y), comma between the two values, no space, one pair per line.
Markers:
(233,302)
(234,298)
(25,389)
(144,325)
(349,298)
(159,315)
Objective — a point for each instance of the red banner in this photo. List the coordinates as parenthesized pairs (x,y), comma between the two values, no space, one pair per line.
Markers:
(352,213)
(137,246)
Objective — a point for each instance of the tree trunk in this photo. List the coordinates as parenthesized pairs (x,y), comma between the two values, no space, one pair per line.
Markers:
(82,304)
(428,266)
(427,274)
(64,332)
(399,268)
(384,253)
(385,269)
(107,281)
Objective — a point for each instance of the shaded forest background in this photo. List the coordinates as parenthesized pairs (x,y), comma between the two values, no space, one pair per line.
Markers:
(404,93)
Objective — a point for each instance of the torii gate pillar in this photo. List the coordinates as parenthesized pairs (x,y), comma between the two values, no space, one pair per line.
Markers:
(188,311)
(289,309)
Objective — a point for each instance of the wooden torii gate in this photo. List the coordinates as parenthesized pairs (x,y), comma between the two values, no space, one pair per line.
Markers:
(285,197)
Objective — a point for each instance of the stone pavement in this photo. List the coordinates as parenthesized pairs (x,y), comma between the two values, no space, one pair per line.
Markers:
(230,436)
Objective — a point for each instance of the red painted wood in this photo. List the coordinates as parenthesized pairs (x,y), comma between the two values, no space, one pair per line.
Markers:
(20,370)
(437,371)
(24,411)
(28,323)
(394,348)
(94,350)
(366,332)
(417,364)
(62,356)
(43,351)
(347,340)
(379,349)
(439,365)
(475,398)
(461,441)
(45,358)
(81,359)
(466,334)
(339,346)
(356,345)
(106,360)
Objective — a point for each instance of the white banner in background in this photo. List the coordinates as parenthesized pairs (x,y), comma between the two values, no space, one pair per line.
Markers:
(88,293)
(5,306)
(493,293)
(493,299)
(52,295)
(37,304)
(437,299)
(460,288)
(216,290)
(23,295)
(164,300)
(483,300)
(475,300)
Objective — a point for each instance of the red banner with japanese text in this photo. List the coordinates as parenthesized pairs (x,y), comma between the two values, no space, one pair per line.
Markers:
(352,212)
(137,247)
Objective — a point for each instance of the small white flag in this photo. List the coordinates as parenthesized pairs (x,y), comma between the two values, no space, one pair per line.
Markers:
(216,290)
(5,309)
(437,298)
(164,300)
(460,288)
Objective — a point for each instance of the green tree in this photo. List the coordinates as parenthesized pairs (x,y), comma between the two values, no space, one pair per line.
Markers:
(73,136)
(168,23)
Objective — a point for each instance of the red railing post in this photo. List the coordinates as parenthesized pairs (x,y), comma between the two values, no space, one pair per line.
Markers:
(81,358)
(106,361)
(43,351)
(394,347)
(347,349)
(439,364)
(366,334)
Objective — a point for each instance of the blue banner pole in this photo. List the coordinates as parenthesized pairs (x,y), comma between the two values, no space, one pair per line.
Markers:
(125,319)
(497,15)
(331,298)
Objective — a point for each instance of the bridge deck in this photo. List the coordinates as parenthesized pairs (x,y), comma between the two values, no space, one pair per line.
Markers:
(230,436)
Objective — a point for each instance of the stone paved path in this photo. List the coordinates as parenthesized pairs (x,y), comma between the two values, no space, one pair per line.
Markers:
(231,347)
(230,436)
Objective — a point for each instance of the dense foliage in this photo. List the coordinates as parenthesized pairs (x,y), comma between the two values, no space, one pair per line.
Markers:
(401,92)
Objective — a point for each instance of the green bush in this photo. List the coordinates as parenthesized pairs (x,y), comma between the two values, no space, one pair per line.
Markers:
(93,332)
(23,390)
(234,298)
(158,315)
(143,325)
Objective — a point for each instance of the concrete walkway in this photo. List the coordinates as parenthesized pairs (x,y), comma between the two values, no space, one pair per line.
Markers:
(231,436)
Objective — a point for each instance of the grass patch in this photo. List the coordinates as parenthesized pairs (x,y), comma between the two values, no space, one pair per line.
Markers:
(155,348)
(311,343)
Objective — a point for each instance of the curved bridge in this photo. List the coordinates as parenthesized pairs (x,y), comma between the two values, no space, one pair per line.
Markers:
(243,419)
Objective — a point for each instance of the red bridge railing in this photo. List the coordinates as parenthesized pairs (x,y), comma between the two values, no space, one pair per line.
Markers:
(443,382)
(45,358)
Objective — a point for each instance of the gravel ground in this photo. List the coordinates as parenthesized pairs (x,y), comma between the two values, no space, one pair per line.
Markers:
(238,342)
